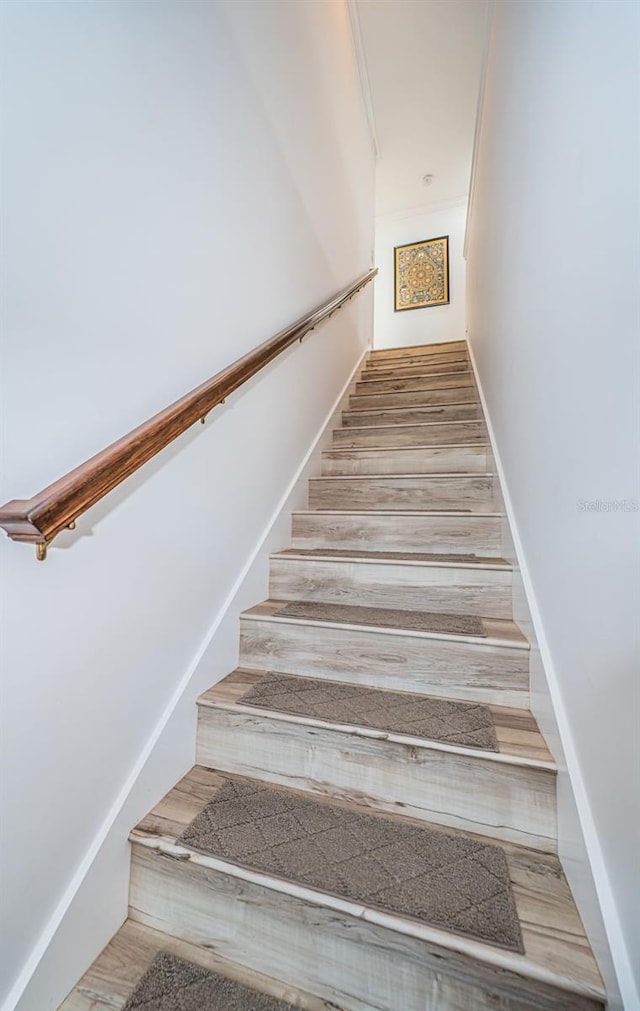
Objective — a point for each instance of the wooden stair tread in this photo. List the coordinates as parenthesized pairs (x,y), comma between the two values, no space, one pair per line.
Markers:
(434,348)
(434,364)
(457,359)
(412,399)
(455,378)
(351,457)
(430,439)
(368,377)
(430,384)
(425,353)
(464,489)
(556,949)
(464,393)
(346,451)
(429,408)
(410,415)
(116,971)
(336,753)
(436,359)
(442,365)
(519,738)
(500,631)
(409,531)
(399,513)
(392,557)
(454,384)
(414,370)
(440,475)
(412,424)
(446,353)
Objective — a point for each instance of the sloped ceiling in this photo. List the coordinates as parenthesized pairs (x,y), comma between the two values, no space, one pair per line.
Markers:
(423,60)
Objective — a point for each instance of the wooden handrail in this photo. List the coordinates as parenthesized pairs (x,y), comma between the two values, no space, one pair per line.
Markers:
(37,520)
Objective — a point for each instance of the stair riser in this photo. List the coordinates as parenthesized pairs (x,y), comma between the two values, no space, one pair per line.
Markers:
(433,351)
(486,592)
(396,436)
(471,534)
(474,493)
(454,669)
(414,398)
(406,461)
(430,351)
(490,798)
(412,415)
(401,385)
(433,362)
(452,364)
(346,960)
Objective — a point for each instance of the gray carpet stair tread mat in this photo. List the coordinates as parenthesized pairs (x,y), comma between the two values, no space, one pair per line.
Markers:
(448,881)
(414,621)
(396,556)
(466,724)
(173,984)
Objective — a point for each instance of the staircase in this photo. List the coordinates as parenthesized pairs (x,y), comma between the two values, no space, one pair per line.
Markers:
(335,886)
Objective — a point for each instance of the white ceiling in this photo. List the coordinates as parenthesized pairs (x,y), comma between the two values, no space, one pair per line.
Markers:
(423,60)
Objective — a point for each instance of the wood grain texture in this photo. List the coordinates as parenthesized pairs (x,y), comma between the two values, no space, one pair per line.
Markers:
(393,531)
(351,963)
(424,364)
(117,970)
(396,436)
(402,384)
(419,350)
(41,517)
(504,796)
(412,415)
(516,730)
(448,588)
(434,491)
(337,949)
(494,670)
(415,398)
(395,360)
(498,631)
(451,365)
(410,460)
(403,475)
(431,363)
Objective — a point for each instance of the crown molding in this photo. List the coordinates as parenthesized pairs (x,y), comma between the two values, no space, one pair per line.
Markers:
(363,73)
(415,212)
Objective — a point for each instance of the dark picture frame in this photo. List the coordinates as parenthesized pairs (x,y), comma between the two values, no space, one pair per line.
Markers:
(421,274)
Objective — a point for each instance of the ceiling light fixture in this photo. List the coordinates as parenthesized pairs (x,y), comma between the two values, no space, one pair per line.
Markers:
(428,179)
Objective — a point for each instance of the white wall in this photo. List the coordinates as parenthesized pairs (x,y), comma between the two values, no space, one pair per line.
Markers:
(180,180)
(552,281)
(433,323)
(423,60)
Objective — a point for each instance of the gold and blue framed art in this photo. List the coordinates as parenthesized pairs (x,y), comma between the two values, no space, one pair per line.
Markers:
(421,271)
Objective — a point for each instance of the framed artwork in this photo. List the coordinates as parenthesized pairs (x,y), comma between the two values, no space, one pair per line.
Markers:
(421,272)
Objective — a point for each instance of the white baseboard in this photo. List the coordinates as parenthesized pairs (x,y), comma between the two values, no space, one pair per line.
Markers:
(598,911)
(94,904)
